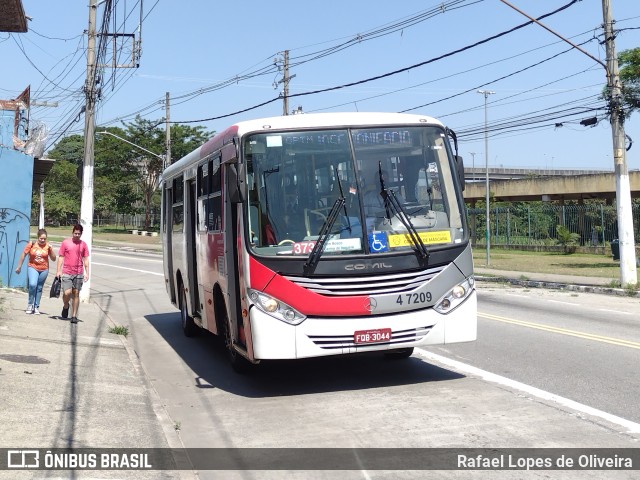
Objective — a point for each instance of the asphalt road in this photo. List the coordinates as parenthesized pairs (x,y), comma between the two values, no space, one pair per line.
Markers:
(585,347)
(548,370)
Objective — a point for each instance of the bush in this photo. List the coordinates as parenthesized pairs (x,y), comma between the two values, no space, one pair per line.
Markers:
(567,239)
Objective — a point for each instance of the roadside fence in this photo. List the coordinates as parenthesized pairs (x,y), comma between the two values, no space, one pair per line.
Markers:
(537,224)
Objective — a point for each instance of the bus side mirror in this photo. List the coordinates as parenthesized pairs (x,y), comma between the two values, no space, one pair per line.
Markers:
(460,171)
(236,183)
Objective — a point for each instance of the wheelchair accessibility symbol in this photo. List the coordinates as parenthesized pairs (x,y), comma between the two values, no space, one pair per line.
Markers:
(378,242)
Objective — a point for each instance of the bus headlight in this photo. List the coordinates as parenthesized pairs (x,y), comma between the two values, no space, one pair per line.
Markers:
(455,296)
(276,308)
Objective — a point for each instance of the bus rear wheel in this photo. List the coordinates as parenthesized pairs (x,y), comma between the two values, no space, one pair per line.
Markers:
(399,353)
(189,327)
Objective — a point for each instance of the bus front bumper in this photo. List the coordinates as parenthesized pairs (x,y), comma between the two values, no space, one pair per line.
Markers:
(322,336)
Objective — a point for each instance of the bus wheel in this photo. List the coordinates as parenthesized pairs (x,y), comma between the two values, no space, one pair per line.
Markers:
(399,353)
(237,361)
(189,327)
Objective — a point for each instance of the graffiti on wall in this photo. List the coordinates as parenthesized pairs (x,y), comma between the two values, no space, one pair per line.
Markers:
(14,235)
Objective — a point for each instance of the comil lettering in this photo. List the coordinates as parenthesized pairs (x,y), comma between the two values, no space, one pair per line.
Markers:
(364,266)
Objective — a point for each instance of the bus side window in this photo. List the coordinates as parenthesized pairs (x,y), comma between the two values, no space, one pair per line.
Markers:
(178,204)
(214,207)
(203,191)
(254,224)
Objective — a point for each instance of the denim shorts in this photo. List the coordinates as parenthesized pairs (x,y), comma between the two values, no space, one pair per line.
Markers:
(71,281)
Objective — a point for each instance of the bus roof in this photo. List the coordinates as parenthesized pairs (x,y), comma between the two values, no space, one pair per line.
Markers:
(299,121)
(332,120)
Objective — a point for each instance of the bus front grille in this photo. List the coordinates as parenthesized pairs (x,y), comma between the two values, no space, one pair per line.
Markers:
(366,285)
(398,338)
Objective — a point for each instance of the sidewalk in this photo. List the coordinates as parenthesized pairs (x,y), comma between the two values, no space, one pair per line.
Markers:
(67,385)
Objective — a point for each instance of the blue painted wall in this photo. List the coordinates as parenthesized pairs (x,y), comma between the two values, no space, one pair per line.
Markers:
(16,180)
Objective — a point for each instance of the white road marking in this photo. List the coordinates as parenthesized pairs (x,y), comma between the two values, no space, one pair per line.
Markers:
(632,427)
(101,254)
(614,311)
(562,302)
(127,268)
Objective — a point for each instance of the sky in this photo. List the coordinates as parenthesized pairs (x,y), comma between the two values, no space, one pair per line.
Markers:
(218,62)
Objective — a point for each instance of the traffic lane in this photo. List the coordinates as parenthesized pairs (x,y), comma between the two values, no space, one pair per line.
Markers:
(363,401)
(587,368)
(129,287)
(144,262)
(584,305)
(130,284)
(288,402)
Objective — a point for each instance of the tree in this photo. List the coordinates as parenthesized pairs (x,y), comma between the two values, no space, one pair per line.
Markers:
(70,148)
(62,192)
(148,135)
(185,139)
(124,175)
(126,198)
(629,63)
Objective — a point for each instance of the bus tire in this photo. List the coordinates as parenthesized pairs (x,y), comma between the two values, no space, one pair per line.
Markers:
(237,361)
(399,353)
(189,327)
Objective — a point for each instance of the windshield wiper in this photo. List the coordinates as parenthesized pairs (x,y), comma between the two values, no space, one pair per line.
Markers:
(318,248)
(393,207)
(389,197)
(383,192)
(342,196)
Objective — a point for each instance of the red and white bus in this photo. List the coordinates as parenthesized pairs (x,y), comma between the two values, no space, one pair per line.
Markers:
(321,234)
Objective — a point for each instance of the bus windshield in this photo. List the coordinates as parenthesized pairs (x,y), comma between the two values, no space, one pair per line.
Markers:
(295,179)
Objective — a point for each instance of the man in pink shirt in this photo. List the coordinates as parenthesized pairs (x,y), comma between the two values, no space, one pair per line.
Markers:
(73,260)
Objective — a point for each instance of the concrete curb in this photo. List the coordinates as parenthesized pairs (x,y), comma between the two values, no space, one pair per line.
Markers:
(164,419)
(559,286)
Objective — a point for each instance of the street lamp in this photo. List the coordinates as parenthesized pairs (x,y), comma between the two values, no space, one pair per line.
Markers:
(161,157)
(486,93)
(104,132)
(473,166)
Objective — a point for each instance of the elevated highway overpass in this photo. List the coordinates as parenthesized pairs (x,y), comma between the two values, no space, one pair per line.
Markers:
(534,187)
(477,174)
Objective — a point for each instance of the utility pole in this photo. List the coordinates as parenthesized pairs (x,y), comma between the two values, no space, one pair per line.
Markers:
(486,93)
(285,100)
(167,157)
(285,81)
(628,271)
(41,216)
(86,205)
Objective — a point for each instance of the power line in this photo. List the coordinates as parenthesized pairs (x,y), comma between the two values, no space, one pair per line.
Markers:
(389,74)
(489,82)
(269,69)
(21,47)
